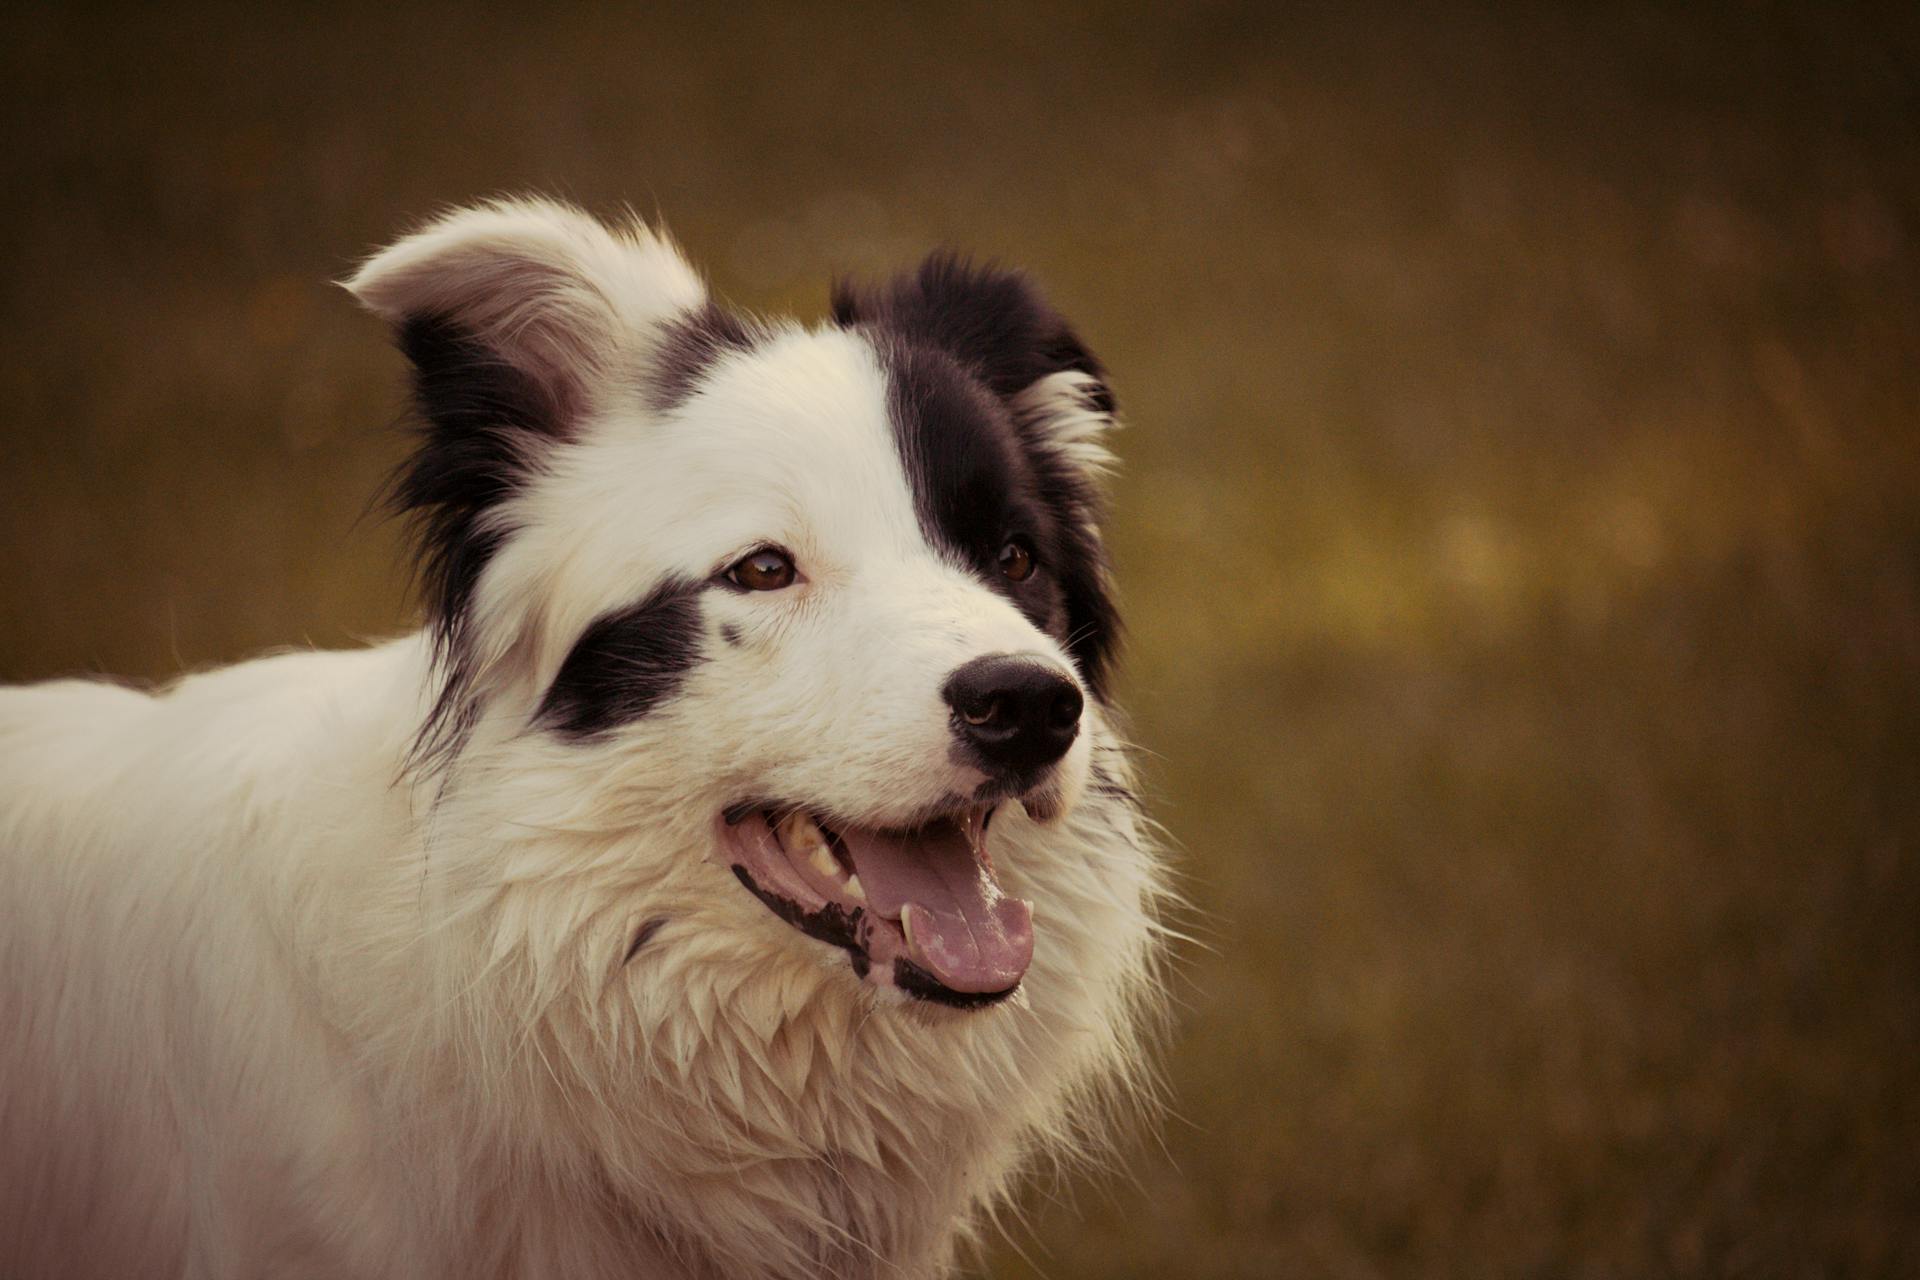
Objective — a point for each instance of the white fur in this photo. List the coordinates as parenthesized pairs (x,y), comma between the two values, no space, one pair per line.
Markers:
(272,1002)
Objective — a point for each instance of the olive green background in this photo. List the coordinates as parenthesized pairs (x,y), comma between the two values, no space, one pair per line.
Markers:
(1520,528)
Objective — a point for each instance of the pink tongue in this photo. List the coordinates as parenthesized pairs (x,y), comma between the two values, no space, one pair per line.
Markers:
(965,932)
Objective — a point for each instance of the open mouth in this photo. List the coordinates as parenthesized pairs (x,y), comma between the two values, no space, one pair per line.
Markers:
(919,909)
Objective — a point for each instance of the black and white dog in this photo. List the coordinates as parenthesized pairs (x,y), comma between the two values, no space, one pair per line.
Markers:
(738,877)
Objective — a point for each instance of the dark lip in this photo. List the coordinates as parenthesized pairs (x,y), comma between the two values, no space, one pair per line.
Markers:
(839,926)
(833,924)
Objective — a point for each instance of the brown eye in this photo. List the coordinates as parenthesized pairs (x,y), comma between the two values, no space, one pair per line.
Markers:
(1016,560)
(763,570)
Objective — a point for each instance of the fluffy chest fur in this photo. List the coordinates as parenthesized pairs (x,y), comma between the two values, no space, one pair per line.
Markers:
(740,876)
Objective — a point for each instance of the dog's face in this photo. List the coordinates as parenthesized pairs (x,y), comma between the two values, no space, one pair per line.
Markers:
(837,591)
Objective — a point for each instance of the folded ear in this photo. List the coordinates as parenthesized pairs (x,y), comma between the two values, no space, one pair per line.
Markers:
(519,317)
(533,291)
(997,325)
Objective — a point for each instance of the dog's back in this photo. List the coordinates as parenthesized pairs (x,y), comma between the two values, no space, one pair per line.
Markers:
(164,1071)
(85,1166)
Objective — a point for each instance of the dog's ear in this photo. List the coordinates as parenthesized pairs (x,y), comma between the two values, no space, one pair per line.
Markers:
(519,317)
(534,299)
(998,326)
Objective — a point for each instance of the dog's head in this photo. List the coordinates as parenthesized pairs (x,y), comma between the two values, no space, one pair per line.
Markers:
(837,592)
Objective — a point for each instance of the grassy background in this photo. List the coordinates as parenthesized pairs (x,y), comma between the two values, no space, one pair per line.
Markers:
(1521,527)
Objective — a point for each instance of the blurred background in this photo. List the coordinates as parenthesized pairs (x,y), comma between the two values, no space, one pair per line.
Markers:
(1520,525)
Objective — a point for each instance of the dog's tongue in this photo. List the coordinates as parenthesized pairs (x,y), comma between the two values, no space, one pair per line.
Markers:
(938,883)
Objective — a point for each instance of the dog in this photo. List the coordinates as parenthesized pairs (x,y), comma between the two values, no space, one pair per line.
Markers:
(739,874)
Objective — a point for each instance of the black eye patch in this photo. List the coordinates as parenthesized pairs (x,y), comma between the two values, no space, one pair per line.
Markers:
(626,663)
(973,485)
(961,344)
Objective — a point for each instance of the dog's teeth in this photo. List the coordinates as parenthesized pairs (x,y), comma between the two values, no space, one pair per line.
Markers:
(799,830)
(906,924)
(822,861)
(854,890)
(802,837)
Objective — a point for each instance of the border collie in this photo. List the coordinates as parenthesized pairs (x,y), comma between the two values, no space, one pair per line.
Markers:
(739,875)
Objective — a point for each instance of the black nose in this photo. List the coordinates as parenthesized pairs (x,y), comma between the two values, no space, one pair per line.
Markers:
(1018,712)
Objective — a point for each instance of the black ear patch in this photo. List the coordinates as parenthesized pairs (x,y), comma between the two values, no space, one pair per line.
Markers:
(480,420)
(993,321)
(960,343)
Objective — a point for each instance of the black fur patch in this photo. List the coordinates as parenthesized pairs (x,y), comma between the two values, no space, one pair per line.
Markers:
(690,347)
(991,320)
(626,663)
(481,419)
(960,342)
(973,485)
(642,936)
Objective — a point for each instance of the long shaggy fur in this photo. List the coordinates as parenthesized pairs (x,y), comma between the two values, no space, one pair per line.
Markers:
(355,964)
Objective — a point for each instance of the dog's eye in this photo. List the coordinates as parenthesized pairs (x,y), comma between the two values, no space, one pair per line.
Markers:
(763,570)
(1016,559)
